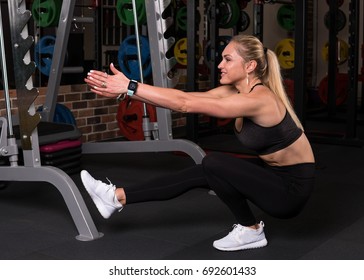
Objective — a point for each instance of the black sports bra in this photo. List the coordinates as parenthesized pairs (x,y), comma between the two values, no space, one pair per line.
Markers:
(267,140)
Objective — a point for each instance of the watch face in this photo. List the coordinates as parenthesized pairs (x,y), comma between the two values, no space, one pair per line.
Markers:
(132,85)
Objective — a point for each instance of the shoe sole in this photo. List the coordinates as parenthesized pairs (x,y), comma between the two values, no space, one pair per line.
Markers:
(97,201)
(255,245)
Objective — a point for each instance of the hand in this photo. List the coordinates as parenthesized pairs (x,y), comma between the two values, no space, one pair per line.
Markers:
(107,85)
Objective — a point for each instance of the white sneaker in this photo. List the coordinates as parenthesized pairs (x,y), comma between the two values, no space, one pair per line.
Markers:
(102,194)
(241,238)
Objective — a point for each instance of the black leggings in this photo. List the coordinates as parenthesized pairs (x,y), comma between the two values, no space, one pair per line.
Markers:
(279,191)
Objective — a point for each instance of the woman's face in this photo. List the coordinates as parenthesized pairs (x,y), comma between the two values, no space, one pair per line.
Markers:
(232,67)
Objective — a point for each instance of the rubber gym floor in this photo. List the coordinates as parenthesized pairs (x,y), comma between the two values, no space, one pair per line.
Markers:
(35,223)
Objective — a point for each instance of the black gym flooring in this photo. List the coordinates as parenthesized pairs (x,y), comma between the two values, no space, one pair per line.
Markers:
(35,223)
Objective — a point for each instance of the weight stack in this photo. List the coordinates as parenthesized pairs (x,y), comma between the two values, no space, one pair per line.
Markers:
(65,155)
(59,146)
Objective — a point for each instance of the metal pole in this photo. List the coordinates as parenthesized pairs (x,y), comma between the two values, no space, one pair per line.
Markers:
(145,111)
(300,71)
(137,40)
(332,63)
(353,63)
(258,19)
(5,77)
(192,64)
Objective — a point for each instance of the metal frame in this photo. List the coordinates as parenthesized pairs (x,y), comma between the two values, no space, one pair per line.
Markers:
(300,70)
(349,136)
(351,128)
(60,50)
(161,66)
(32,171)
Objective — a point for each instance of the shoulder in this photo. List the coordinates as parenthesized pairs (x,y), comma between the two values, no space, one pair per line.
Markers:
(223,91)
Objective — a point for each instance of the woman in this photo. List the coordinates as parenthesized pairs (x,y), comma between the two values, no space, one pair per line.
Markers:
(252,92)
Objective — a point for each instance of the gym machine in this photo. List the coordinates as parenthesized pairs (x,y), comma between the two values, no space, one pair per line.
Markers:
(32,170)
(29,119)
(162,129)
(348,134)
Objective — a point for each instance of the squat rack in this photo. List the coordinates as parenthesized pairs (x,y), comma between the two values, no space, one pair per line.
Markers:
(300,70)
(162,66)
(32,170)
(350,132)
(29,119)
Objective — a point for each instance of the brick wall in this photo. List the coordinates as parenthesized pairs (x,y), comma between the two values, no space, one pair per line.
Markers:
(95,116)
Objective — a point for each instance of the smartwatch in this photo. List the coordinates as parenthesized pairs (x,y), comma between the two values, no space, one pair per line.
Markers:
(132,87)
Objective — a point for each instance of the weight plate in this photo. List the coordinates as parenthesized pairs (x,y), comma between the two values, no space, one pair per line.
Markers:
(227,13)
(289,87)
(340,21)
(181,18)
(46,12)
(130,118)
(44,54)
(124,9)
(341,88)
(286,17)
(286,53)
(180,51)
(234,7)
(244,21)
(343,52)
(128,57)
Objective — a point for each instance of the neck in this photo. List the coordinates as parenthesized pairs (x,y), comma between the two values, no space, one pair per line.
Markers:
(245,87)
(257,84)
(253,81)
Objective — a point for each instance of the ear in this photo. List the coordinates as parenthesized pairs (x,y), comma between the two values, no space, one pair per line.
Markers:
(251,65)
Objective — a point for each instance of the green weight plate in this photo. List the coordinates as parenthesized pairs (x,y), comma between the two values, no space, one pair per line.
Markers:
(46,12)
(235,13)
(124,9)
(224,13)
(181,18)
(286,17)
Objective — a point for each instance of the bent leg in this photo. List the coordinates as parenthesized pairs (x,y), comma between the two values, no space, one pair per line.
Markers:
(237,181)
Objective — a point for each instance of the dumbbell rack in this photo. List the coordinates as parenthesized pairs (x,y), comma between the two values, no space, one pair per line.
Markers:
(32,171)
(161,65)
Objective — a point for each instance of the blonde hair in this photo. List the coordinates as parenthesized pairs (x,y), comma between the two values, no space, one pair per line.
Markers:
(268,69)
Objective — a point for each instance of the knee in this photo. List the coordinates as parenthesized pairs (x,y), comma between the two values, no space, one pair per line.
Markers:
(212,161)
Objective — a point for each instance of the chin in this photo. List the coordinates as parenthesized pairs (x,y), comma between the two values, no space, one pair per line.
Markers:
(223,81)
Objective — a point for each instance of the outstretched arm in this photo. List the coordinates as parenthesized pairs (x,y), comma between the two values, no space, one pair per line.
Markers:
(222,102)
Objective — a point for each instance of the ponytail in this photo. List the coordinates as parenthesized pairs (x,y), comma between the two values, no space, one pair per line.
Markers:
(268,69)
(272,78)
